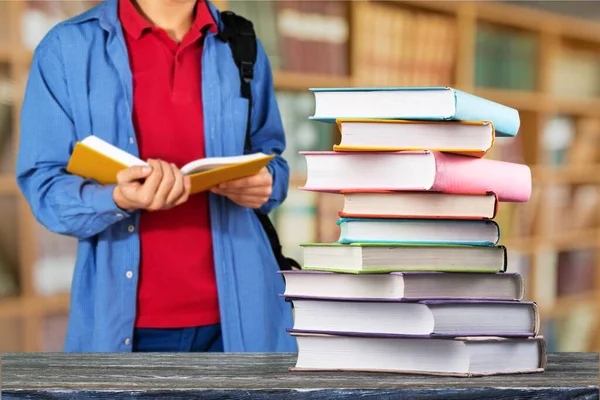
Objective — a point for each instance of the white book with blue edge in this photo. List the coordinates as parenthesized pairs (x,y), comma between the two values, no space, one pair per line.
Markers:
(419,231)
(413,103)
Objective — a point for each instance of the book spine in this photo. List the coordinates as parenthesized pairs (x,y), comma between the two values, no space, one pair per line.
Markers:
(473,108)
(511,182)
(521,285)
(504,259)
(536,319)
(288,20)
(496,205)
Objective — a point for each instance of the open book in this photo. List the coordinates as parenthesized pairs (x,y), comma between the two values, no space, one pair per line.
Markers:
(94,158)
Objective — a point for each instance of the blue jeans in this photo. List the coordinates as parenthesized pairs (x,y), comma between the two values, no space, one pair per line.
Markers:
(201,339)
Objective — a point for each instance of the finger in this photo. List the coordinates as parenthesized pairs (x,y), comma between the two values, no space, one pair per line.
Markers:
(259,191)
(248,201)
(133,174)
(150,186)
(260,179)
(187,184)
(165,186)
(238,183)
(178,189)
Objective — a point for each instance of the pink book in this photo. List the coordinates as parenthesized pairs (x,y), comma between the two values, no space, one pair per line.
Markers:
(329,171)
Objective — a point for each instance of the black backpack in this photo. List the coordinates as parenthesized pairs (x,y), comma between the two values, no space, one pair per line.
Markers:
(239,33)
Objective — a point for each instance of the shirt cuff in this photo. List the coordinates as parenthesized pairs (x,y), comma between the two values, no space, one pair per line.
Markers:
(102,201)
(269,205)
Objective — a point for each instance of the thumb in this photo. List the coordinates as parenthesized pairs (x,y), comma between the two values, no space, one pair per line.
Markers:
(134,173)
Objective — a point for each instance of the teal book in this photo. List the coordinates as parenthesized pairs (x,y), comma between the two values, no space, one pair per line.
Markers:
(413,103)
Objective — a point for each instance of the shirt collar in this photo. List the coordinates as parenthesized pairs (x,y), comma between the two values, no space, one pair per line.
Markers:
(136,25)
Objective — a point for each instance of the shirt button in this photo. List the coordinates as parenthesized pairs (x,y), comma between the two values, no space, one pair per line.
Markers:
(129,274)
(127,341)
(131,228)
(131,140)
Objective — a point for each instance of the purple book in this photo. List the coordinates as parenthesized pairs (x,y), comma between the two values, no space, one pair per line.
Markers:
(407,286)
(426,318)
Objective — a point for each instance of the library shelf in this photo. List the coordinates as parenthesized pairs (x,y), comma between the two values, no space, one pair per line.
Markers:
(589,107)
(298,81)
(8,185)
(6,54)
(570,240)
(562,306)
(515,16)
(34,306)
(521,100)
(561,175)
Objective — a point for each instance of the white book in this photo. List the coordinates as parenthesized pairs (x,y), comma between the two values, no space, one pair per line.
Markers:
(419,205)
(469,138)
(403,285)
(462,357)
(449,318)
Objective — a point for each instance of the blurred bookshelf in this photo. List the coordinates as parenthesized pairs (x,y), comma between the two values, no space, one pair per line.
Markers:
(545,64)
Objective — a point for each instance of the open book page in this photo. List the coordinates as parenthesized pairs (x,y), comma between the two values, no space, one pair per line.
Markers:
(111,151)
(129,160)
(206,164)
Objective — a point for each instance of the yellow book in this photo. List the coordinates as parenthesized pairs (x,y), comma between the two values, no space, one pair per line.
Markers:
(470,138)
(94,158)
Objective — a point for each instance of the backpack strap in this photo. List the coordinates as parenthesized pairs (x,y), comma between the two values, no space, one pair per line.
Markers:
(239,33)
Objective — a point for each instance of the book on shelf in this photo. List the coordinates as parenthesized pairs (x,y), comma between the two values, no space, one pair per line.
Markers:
(313,36)
(416,171)
(402,46)
(505,59)
(8,283)
(360,258)
(429,205)
(425,318)
(414,103)
(461,357)
(409,286)
(419,231)
(263,14)
(7,96)
(95,158)
(459,137)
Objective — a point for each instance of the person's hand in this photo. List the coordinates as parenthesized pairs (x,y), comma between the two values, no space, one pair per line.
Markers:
(251,192)
(164,187)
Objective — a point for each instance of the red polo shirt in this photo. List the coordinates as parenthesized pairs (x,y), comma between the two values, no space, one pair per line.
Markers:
(177,285)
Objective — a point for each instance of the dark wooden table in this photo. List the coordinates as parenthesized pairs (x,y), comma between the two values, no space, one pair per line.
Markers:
(266,376)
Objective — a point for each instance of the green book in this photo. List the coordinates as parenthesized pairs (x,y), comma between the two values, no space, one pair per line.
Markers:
(361,258)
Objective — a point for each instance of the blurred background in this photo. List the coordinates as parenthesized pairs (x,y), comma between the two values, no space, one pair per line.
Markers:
(541,57)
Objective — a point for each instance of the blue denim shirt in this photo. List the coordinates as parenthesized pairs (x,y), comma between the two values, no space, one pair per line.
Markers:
(80,84)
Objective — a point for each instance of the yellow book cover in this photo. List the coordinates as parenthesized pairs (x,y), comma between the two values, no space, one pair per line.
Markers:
(470,138)
(94,158)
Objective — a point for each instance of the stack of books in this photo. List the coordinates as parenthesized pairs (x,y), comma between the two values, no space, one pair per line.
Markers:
(417,282)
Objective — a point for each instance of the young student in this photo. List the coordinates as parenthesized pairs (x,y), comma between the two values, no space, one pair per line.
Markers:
(157,269)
